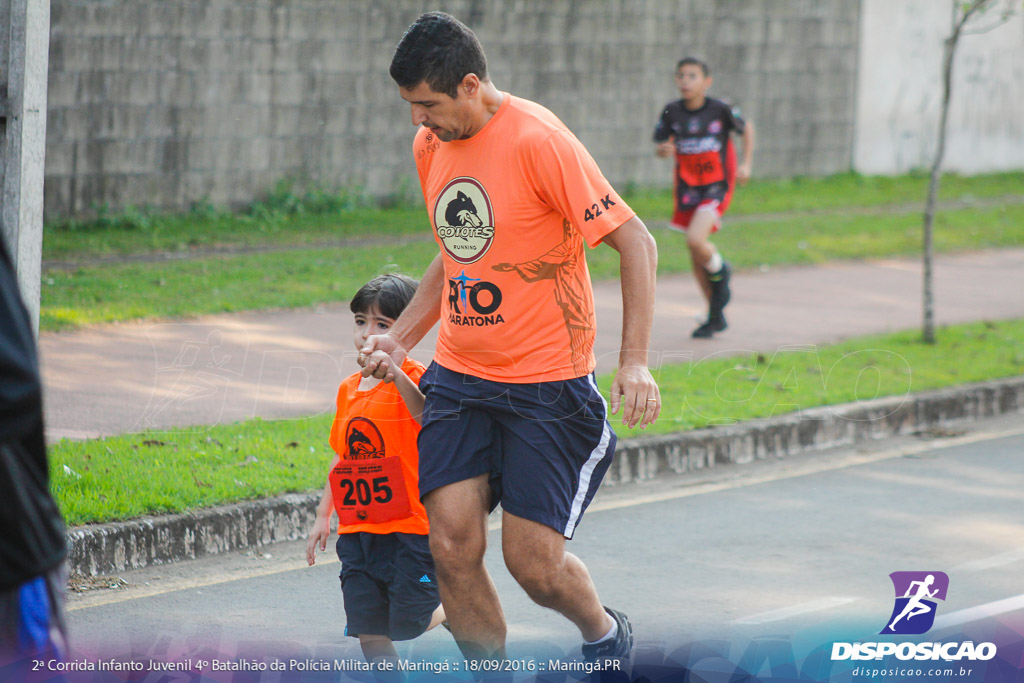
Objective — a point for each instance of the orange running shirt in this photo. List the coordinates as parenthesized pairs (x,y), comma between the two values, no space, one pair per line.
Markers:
(371,427)
(511,208)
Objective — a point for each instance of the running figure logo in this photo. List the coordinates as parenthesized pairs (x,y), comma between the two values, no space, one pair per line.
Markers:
(916,592)
(458,286)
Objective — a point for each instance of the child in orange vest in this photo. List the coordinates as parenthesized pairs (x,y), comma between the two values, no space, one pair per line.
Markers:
(387,572)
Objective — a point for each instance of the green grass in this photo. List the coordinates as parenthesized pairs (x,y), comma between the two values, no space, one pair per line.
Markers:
(306,274)
(162,472)
(130,476)
(287,217)
(828,237)
(727,390)
(846,190)
(117,292)
(289,279)
(185,233)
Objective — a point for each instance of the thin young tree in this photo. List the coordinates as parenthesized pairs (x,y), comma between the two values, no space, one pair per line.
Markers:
(963,12)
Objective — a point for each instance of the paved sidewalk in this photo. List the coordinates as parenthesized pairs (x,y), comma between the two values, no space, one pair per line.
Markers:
(220,369)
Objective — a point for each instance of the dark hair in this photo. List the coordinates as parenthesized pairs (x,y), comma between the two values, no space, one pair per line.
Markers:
(438,49)
(695,62)
(390,293)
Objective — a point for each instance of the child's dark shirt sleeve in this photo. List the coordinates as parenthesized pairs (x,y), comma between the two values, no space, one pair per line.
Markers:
(663,130)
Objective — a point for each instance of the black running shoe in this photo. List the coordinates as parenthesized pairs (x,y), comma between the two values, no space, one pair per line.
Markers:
(618,647)
(720,292)
(710,327)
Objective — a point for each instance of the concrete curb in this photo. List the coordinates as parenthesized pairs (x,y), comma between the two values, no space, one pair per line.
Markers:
(110,548)
(645,458)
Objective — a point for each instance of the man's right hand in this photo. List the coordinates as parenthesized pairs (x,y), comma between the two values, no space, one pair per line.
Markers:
(379,355)
(667,149)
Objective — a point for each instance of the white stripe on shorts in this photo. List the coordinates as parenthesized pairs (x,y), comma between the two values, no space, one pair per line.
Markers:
(708,205)
(588,467)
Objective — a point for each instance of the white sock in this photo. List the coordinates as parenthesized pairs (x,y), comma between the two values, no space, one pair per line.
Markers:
(611,634)
(715,264)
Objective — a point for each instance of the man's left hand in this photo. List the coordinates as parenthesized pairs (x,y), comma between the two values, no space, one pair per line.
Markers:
(635,391)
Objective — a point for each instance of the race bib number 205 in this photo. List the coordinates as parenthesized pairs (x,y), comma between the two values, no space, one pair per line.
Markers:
(369,491)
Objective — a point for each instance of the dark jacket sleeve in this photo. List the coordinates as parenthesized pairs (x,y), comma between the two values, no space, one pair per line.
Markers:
(20,388)
(33,540)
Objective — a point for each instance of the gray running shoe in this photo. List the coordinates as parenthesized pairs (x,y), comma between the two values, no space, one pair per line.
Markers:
(618,647)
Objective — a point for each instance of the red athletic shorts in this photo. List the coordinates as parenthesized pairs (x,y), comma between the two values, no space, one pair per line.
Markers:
(681,219)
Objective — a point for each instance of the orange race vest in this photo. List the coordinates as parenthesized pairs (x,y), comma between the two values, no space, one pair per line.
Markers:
(374,483)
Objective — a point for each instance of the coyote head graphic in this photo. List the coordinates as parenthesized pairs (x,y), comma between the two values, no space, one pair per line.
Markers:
(461,212)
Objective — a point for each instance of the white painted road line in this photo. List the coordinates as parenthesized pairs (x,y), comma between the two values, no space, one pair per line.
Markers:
(795,610)
(277,566)
(989,609)
(815,466)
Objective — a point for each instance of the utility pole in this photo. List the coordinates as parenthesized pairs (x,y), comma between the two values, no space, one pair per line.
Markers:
(24,58)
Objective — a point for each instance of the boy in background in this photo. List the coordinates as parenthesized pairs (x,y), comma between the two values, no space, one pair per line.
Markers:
(387,573)
(696,130)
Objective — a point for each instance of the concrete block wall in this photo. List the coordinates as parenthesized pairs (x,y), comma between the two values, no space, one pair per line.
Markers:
(166,103)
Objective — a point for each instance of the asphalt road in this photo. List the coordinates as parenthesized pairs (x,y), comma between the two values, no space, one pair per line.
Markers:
(796,551)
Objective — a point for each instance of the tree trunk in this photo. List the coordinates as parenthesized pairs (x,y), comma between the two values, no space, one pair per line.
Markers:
(928,326)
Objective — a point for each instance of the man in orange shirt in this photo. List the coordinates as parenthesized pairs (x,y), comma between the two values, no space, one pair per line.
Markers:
(512,412)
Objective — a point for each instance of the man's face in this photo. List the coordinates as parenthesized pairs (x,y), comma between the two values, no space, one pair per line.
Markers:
(691,81)
(447,118)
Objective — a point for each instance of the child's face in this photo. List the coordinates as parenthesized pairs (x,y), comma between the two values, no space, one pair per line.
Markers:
(692,82)
(370,322)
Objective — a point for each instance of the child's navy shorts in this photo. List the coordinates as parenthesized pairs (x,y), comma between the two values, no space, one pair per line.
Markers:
(546,445)
(388,583)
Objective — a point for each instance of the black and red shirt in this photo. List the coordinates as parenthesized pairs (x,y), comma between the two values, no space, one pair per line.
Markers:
(705,156)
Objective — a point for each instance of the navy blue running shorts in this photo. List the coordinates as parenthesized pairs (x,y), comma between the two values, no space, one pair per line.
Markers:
(546,445)
(388,583)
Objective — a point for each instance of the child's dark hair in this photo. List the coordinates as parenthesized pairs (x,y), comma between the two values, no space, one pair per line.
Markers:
(389,293)
(438,49)
(686,61)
